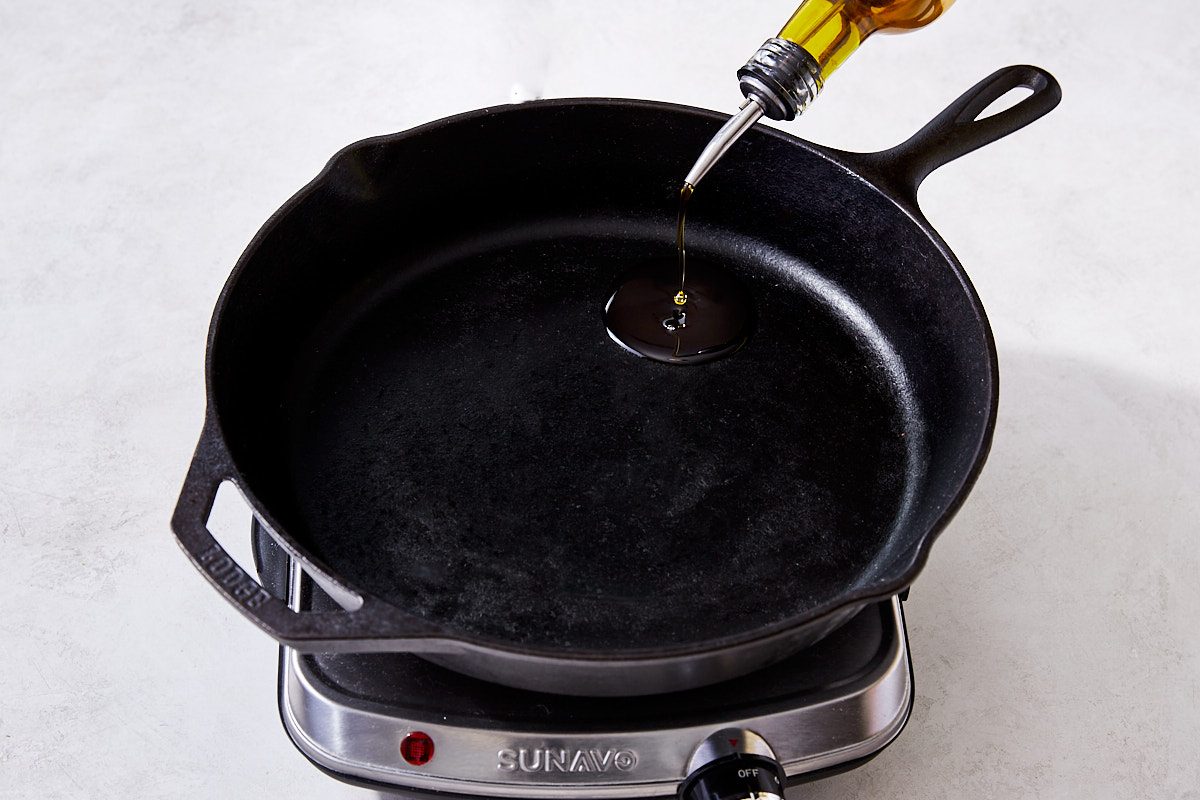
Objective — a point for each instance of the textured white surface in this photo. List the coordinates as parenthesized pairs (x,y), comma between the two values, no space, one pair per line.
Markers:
(143,143)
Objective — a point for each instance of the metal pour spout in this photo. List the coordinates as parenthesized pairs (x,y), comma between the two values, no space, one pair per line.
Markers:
(779,81)
(729,133)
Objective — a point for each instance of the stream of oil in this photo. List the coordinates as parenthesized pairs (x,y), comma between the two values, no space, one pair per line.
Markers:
(685,194)
(682,310)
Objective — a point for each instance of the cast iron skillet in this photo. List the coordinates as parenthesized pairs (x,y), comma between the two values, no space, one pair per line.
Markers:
(410,382)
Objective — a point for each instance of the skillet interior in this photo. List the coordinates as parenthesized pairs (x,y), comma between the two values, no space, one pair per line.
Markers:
(413,375)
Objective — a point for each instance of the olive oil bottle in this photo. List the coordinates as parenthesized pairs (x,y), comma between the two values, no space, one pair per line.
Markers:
(789,71)
(692,314)
(830,30)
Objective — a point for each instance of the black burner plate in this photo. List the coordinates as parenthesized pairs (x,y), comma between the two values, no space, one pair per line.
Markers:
(414,688)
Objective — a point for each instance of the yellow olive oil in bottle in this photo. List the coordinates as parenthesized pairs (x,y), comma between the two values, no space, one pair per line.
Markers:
(830,30)
(696,312)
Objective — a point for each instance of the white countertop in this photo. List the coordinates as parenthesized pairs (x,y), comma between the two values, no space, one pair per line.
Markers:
(1054,631)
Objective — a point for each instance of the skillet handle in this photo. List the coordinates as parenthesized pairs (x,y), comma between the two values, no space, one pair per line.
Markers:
(958,130)
(368,625)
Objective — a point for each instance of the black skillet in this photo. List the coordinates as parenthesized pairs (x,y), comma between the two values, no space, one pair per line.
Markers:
(410,382)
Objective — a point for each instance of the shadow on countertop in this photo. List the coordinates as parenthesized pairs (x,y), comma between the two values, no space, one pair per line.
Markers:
(1052,632)
(1052,629)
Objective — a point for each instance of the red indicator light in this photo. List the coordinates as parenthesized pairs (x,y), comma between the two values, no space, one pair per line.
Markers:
(417,748)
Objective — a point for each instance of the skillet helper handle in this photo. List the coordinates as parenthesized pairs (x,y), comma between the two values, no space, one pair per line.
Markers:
(362,628)
(208,470)
(958,130)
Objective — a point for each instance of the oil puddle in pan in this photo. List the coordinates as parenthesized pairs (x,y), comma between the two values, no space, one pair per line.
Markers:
(681,312)
(647,316)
